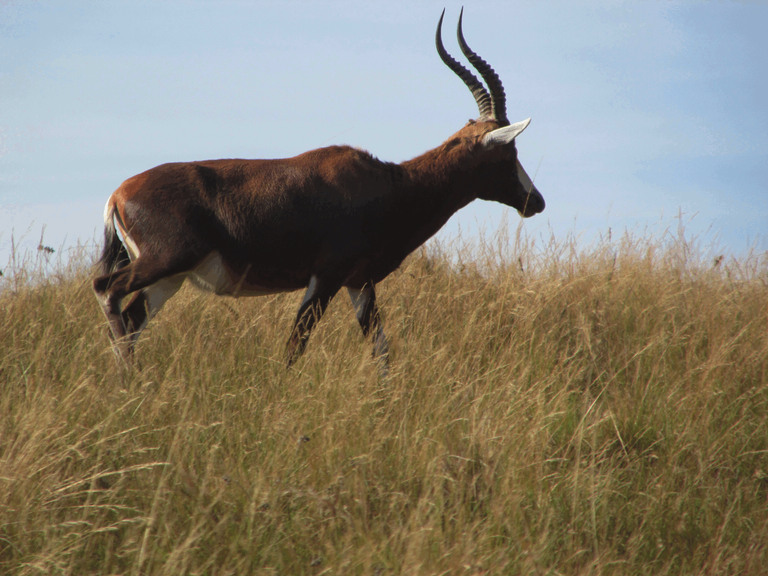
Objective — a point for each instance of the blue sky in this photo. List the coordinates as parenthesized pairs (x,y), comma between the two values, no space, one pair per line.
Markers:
(641,110)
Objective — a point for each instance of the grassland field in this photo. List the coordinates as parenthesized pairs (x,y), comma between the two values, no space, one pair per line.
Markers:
(550,409)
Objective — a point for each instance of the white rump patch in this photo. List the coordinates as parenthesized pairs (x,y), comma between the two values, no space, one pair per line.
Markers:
(133,249)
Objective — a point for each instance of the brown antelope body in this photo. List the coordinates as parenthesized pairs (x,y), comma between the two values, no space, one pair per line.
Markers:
(326,219)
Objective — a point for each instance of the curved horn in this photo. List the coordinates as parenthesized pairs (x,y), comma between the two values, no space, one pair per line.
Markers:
(498,99)
(482,98)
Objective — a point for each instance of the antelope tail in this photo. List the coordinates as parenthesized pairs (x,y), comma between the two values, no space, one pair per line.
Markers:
(114,256)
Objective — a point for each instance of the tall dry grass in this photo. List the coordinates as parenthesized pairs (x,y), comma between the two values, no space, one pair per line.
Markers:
(550,410)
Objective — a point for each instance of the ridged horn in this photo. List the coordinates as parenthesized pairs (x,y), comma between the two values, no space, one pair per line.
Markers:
(484,103)
(498,99)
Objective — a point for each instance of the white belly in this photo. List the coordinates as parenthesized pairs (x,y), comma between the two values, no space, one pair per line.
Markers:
(211,275)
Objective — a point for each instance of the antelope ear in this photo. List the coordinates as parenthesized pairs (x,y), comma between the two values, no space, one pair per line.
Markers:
(502,136)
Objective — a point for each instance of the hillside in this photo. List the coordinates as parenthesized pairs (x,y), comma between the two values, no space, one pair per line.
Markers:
(549,410)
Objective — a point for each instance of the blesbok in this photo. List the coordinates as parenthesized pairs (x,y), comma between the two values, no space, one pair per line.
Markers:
(326,219)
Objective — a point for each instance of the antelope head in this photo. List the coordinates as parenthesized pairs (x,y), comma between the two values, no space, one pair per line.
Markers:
(504,180)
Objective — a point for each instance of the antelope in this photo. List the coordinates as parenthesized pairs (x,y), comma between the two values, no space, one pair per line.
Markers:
(329,218)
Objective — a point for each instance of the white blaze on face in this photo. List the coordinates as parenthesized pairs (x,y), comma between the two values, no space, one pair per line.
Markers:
(525,180)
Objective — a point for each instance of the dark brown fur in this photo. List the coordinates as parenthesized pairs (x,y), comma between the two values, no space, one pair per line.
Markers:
(335,213)
(335,216)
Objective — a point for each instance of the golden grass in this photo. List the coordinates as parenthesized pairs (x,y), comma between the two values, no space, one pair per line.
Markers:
(549,410)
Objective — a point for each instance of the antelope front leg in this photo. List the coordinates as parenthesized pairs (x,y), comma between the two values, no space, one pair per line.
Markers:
(368,316)
(316,299)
